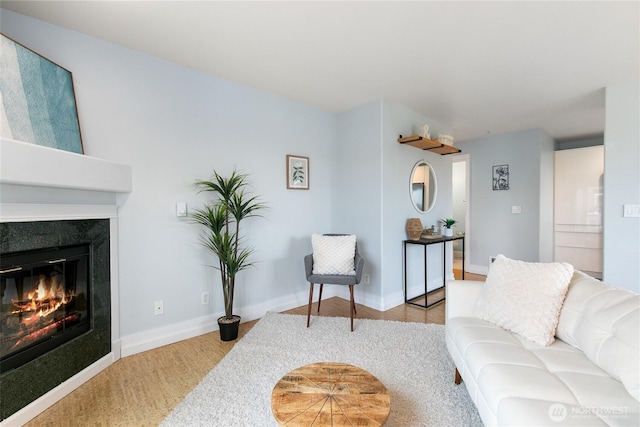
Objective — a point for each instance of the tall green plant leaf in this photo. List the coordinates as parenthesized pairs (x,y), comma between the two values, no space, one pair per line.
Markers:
(220,220)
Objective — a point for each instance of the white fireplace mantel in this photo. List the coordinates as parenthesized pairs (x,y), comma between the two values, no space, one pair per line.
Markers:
(22,163)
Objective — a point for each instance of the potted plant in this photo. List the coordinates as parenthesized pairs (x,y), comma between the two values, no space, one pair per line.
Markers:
(220,220)
(448,223)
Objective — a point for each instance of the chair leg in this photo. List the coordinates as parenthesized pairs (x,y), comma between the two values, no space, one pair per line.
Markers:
(320,297)
(310,301)
(353,305)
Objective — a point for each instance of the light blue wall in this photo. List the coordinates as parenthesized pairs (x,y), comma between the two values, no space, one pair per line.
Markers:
(621,266)
(357,188)
(533,149)
(174,125)
(494,229)
(371,195)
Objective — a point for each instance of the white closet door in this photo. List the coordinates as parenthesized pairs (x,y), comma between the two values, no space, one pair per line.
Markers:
(578,194)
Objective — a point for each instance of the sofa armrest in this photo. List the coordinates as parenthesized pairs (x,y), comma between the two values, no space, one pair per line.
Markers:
(461,298)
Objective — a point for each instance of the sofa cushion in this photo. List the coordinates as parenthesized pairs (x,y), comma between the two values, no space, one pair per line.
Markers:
(602,321)
(334,254)
(581,287)
(525,297)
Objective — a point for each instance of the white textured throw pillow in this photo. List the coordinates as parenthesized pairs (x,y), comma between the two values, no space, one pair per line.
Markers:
(334,254)
(525,297)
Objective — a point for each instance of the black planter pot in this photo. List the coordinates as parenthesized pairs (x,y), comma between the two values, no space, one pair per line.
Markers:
(229,328)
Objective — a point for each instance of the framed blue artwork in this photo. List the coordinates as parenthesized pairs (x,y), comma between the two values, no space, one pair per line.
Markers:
(38,103)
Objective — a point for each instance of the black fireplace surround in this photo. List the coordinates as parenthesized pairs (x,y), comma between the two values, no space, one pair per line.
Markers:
(90,341)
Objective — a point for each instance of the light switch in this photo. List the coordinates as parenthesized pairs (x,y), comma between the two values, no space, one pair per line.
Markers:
(516,209)
(181,209)
(632,211)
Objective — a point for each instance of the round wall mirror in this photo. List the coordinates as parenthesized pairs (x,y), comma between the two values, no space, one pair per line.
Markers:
(423,186)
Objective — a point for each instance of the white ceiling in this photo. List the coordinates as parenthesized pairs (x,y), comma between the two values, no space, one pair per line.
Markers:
(479,67)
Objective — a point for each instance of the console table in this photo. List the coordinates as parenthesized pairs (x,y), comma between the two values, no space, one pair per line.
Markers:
(427,242)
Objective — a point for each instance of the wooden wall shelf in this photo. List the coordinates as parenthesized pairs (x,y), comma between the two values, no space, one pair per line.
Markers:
(428,144)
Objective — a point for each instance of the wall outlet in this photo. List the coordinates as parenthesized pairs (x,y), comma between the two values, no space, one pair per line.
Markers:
(365,279)
(158,308)
(205,298)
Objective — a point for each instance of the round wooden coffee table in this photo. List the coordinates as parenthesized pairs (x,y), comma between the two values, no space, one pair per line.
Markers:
(330,394)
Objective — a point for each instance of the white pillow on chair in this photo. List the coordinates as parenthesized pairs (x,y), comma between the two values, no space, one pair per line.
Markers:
(334,254)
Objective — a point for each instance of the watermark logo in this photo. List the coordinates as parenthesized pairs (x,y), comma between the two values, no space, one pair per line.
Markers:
(557,412)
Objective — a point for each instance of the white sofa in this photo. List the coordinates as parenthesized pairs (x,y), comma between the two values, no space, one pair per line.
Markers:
(589,376)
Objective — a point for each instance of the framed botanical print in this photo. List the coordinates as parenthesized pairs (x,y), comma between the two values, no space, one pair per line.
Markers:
(297,172)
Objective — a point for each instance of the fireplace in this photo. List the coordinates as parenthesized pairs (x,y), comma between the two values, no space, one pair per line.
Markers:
(46,301)
(67,200)
(56,305)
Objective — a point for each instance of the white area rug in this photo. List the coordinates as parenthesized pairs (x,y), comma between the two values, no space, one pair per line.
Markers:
(410,359)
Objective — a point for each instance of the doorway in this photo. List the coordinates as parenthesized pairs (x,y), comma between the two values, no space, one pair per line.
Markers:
(460,174)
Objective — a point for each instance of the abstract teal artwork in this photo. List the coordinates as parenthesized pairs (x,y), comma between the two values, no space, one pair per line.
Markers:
(37,101)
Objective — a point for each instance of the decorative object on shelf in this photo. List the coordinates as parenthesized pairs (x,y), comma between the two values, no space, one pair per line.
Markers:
(414,228)
(445,139)
(425,131)
(431,237)
(447,224)
(430,233)
(221,219)
(39,102)
(501,177)
(427,144)
(297,172)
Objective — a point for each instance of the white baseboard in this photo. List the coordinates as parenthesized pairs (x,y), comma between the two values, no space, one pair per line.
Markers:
(154,338)
(360,297)
(393,300)
(39,405)
(158,337)
(477,269)
(363,298)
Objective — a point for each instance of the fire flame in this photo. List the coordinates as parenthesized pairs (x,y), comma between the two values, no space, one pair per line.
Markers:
(47,296)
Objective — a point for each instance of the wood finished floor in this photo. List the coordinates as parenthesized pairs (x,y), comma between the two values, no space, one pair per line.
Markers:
(141,390)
